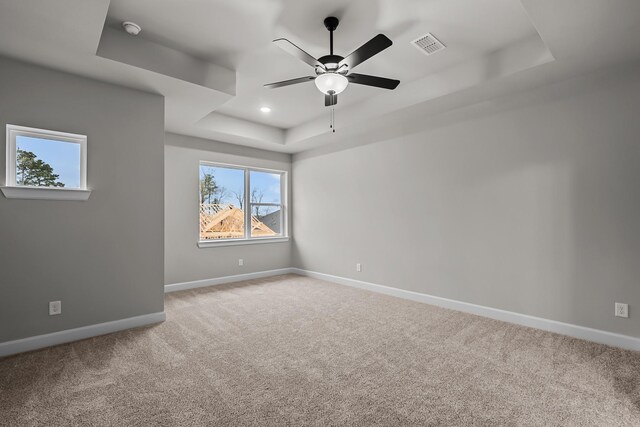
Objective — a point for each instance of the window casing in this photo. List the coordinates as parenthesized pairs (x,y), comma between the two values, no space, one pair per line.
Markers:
(231,196)
(45,164)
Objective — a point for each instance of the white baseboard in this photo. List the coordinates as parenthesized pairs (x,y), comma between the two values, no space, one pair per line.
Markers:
(226,279)
(589,334)
(47,340)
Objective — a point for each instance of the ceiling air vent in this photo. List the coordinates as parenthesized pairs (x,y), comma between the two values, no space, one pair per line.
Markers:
(428,44)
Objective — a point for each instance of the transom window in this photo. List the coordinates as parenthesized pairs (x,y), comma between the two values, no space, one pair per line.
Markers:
(232,196)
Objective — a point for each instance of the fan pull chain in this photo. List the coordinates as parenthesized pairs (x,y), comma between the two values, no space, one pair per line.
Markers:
(332,124)
(334,119)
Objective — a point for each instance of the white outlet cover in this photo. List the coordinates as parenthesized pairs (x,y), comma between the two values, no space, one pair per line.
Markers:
(622,310)
(55,307)
(240,262)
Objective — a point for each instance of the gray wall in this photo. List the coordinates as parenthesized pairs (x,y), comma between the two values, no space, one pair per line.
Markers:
(529,204)
(184,261)
(103,258)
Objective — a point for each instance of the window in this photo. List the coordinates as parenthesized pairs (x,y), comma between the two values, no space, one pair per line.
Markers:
(43,164)
(230,197)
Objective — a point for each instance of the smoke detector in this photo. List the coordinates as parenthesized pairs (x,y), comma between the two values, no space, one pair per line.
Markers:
(428,44)
(131,28)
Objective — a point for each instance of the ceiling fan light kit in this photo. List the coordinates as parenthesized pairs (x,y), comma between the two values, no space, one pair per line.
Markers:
(331,82)
(333,72)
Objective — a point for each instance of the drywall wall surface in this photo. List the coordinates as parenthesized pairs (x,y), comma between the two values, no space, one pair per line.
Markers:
(529,203)
(184,260)
(103,258)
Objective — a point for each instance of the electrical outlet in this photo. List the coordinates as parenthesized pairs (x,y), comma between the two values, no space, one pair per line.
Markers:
(622,310)
(240,262)
(358,267)
(55,307)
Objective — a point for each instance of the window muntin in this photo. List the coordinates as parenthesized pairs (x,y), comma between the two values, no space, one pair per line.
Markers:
(38,158)
(233,196)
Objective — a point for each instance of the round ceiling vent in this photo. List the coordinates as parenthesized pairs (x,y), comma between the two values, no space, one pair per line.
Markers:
(131,28)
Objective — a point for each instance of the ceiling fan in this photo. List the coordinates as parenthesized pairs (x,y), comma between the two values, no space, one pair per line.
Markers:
(333,72)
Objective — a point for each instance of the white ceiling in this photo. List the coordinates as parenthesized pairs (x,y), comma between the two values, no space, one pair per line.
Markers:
(210,58)
(470,28)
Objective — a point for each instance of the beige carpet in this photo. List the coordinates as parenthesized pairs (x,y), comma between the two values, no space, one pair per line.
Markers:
(298,351)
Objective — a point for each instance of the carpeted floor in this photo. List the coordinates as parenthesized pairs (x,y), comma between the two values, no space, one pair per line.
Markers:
(292,350)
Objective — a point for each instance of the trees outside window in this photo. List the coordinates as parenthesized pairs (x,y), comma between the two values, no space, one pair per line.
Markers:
(31,171)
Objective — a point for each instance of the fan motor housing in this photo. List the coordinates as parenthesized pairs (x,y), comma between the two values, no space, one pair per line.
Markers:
(331,59)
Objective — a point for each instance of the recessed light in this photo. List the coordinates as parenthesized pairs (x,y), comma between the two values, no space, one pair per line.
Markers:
(265,109)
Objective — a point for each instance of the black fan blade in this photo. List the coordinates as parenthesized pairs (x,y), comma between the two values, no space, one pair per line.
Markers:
(294,50)
(289,82)
(363,79)
(366,51)
(330,100)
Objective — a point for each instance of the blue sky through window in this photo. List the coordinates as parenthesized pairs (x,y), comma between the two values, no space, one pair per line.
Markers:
(63,157)
(232,180)
(267,185)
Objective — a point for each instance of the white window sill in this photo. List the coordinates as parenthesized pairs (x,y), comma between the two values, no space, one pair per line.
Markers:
(45,193)
(218,243)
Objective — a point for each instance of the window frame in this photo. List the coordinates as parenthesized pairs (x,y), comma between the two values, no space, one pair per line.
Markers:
(248,239)
(12,190)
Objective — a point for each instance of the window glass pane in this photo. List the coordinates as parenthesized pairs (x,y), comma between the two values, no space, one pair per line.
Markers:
(221,203)
(44,162)
(265,221)
(265,187)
